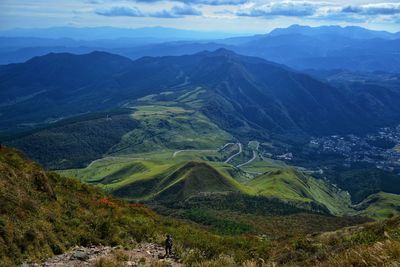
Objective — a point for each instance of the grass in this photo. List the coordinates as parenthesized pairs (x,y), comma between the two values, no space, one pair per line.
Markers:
(292,185)
(76,143)
(142,177)
(166,127)
(44,214)
(379,206)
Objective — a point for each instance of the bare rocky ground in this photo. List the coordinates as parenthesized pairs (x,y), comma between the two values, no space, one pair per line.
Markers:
(146,254)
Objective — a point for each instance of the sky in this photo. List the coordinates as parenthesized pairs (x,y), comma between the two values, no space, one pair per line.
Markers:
(234,16)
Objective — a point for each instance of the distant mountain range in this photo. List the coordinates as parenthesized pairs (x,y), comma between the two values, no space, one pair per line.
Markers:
(242,92)
(104,33)
(300,47)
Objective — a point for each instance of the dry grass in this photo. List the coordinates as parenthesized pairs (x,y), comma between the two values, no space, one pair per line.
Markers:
(385,253)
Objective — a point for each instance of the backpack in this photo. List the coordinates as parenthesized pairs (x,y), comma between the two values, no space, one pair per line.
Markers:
(168,242)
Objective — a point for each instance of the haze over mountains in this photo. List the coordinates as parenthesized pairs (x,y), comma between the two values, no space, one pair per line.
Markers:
(300,47)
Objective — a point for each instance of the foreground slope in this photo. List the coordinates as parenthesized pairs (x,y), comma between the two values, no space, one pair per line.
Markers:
(44,214)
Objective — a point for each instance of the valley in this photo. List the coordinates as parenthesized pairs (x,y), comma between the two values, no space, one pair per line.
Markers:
(244,161)
(155,148)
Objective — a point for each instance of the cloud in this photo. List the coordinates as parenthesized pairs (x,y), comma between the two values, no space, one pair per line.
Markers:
(203,2)
(185,11)
(120,11)
(174,12)
(281,8)
(374,9)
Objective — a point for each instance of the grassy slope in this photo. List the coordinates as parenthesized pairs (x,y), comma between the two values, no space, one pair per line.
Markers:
(292,185)
(143,176)
(195,178)
(76,143)
(379,206)
(43,213)
(172,127)
(170,120)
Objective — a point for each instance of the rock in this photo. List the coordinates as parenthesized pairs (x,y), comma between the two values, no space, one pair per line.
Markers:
(80,255)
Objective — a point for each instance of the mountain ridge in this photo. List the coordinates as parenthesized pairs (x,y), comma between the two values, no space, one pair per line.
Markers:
(266,94)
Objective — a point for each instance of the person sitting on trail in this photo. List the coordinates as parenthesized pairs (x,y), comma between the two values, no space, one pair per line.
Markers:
(168,246)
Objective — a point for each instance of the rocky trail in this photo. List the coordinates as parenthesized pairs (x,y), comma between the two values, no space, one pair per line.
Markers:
(146,254)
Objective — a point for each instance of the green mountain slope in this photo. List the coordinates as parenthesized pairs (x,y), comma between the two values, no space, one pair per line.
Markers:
(172,127)
(178,183)
(42,214)
(77,141)
(291,185)
(160,177)
(379,206)
(196,178)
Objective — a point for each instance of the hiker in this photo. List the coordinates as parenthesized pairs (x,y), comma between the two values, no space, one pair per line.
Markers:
(168,246)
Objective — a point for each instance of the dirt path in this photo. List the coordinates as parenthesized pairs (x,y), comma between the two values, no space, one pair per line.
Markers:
(113,158)
(145,254)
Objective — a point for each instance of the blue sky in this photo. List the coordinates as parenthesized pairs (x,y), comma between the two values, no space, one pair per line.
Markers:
(240,16)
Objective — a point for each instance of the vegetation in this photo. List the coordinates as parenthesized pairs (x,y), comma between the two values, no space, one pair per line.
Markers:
(149,176)
(76,142)
(292,185)
(171,127)
(44,214)
(380,205)
(362,182)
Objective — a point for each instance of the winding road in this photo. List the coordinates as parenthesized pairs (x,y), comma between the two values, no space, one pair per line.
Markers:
(234,155)
(192,150)
(248,162)
(201,150)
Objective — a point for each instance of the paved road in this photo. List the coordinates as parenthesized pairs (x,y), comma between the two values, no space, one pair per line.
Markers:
(250,161)
(234,155)
(202,150)
(192,150)
(224,146)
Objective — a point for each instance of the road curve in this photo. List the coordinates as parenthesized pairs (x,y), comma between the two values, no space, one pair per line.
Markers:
(234,155)
(250,161)
(192,150)
(202,150)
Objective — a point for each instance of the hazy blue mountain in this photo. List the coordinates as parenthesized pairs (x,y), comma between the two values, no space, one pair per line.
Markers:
(24,54)
(319,51)
(353,32)
(96,33)
(300,47)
